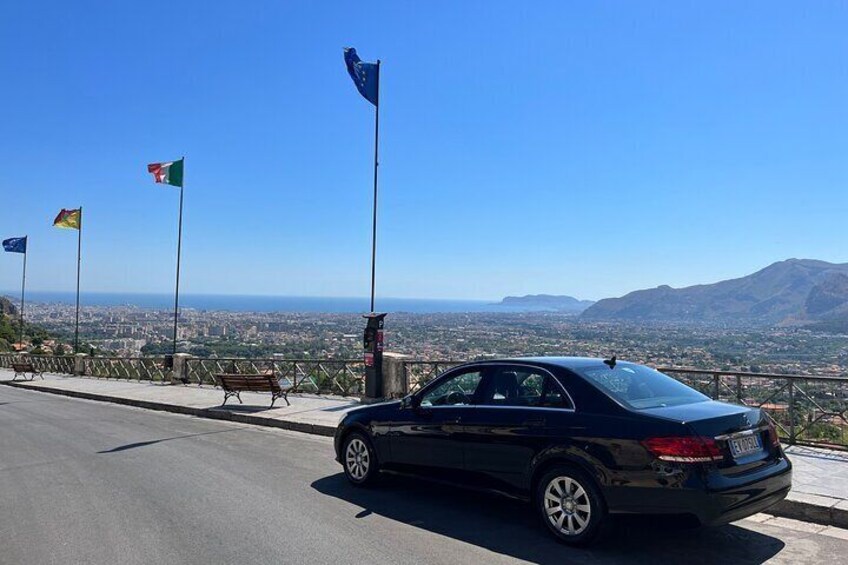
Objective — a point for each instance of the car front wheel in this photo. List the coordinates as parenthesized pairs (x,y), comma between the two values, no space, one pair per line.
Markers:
(359,459)
(570,505)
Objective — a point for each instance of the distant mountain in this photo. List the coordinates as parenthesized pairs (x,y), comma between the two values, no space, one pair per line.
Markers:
(795,291)
(546,302)
(6,307)
(8,331)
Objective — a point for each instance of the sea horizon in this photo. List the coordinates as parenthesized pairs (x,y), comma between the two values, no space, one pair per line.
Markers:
(263,303)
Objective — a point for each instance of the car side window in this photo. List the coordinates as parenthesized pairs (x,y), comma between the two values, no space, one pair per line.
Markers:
(458,390)
(553,396)
(523,387)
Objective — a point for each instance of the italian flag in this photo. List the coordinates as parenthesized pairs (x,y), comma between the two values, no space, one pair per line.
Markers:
(167,173)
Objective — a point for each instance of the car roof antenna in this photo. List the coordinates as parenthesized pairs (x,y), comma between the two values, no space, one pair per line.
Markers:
(610,362)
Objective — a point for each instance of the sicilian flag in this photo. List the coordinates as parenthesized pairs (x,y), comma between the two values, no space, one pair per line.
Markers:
(15,244)
(69,219)
(167,173)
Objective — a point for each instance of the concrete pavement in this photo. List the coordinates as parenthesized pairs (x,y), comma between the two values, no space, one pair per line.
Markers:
(820,482)
(90,482)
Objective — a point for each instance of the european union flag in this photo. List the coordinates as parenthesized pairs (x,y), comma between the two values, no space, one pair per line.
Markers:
(366,76)
(15,244)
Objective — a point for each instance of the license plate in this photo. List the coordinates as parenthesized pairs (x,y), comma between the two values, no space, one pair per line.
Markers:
(746,445)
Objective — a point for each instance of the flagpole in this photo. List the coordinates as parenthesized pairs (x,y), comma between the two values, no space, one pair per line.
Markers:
(79,263)
(23,294)
(179,250)
(376,164)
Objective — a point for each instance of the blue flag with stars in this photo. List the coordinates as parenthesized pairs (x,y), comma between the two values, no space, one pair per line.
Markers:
(366,76)
(15,244)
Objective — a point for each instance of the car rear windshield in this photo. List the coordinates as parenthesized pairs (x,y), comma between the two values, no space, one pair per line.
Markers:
(640,387)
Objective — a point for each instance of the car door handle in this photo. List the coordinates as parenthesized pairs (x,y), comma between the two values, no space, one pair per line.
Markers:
(534,422)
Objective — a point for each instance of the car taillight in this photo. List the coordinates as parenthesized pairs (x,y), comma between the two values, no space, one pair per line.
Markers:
(774,439)
(684,449)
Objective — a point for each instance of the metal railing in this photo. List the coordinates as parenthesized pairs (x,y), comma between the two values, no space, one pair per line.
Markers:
(808,410)
(344,377)
(58,364)
(418,372)
(129,368)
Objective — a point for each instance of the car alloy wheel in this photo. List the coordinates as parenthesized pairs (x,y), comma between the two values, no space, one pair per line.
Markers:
(360,464)
(571,506)
(567,506)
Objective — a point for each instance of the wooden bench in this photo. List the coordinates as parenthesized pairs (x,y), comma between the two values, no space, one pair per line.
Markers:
(21,370)
(233,384)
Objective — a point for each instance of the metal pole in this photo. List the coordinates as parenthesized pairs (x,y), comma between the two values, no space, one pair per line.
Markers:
(791,412)
(376,164)
(23,293)
(79,262)
(179,250)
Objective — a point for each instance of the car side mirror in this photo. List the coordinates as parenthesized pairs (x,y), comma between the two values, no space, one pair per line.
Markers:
(410,401)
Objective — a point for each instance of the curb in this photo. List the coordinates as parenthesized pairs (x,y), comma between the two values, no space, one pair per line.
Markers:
(823,510)
(212,414)
(812,508)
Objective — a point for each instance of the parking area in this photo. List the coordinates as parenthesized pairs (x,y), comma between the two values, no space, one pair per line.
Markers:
(100,483)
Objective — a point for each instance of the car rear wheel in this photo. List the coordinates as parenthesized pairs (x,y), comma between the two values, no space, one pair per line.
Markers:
(571,506)
(359,459)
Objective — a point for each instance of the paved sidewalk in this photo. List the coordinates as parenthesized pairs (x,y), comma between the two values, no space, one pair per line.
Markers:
(307,413)
(819,486)
(820,480)
(821,472)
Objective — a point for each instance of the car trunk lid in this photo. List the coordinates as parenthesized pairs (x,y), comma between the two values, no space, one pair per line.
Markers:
(740,431)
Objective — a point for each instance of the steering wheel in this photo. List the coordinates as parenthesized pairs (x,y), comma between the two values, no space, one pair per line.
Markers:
(456,397)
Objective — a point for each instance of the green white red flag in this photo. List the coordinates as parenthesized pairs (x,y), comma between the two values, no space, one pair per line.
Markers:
(167,173)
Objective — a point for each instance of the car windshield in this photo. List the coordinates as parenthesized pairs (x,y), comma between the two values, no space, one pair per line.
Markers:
(640,387)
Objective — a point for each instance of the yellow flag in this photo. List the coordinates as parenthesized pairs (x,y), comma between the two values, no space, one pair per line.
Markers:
(70,219)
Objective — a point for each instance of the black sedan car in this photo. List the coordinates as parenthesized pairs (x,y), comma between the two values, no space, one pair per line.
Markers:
(579,438)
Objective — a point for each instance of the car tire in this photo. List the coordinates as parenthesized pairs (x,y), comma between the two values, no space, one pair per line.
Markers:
(359,459)
(570,505)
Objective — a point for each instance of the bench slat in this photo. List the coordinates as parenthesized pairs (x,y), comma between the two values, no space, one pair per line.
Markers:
(259,383)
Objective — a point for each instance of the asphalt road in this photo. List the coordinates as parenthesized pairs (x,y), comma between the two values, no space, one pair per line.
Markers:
(88,482)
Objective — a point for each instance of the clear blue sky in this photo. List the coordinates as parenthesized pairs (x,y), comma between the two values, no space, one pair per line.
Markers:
(584,148)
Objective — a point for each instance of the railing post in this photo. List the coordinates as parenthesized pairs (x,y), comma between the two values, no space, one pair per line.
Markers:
(79,364)
(179,369)
(739,389)
(394,375)
(716,382)
(406,377)
(791,412)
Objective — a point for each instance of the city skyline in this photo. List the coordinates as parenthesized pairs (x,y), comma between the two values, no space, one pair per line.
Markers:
(580,150)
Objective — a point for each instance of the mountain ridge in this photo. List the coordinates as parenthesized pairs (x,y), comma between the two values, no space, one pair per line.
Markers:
(554,302)
(794,291)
